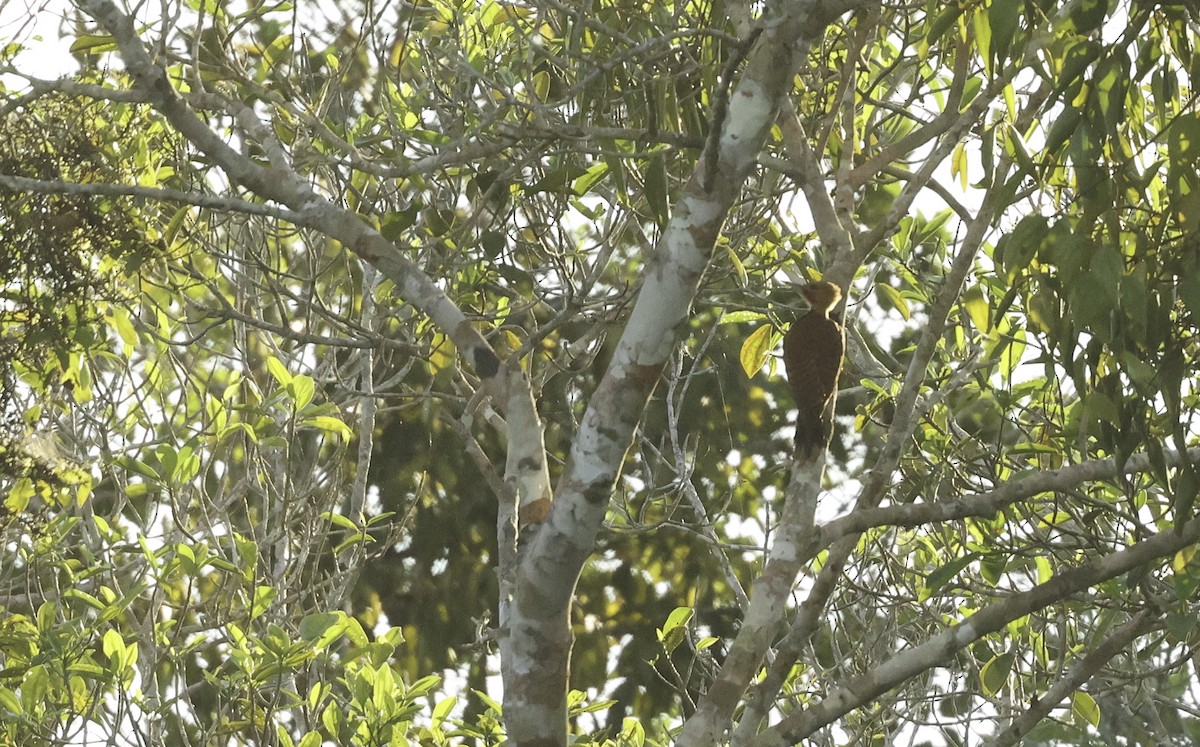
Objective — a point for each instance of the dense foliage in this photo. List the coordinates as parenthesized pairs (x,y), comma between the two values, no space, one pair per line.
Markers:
(255,488)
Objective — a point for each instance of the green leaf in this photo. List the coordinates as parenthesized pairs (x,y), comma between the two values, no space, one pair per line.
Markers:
(301,389)
(113,645)
(943,575)
(123,325)
(675,629)
(590,178)
(342,521)
(492,704)
(317,693)
(187,464)
(47,614)
(594,707)
(137,466)
(223,565)
(1142,374)
(738,266)
(350,541)
(1044,571)
(332,718)
(93,44)
(283,738)
(994,674)
(492,243)
(9,701)
(330,425)
(1189,293)
(656,188)
(977,308)
(756,348)
(897,300)
(35,687)
(1010,358)
(395,223)
(1095,294)
(355,632)
(279,371)
(558,181)
(1079,54)
(1063,128)
(1110,80)
(1054,518)
(1016,251)
(18,498)
(424,685)
(1003,18)
(1182,625)
(83,596)
(983,38)
(1088,15)
(247,550)
(263,596)
(322,628)
(1099,406)
(442,710)
(992,568)
(1084,709)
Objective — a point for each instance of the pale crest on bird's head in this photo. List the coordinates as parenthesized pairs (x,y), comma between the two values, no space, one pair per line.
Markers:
(822,295)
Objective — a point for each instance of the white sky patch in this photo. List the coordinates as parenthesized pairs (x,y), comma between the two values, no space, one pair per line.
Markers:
(38,26)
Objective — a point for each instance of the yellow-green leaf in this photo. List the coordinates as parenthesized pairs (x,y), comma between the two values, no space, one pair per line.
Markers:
(977,308)
(994,674)
(94,44)
(301,390)
(1084,709)
(738,266)
(279,371)
(896,300)
(756,348)
(330,424)
(675,629)
(263,596)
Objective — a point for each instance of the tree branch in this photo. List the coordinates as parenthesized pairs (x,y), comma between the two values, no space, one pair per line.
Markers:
(282,184)
(992,501)
(1082,671)
(534,703)
(768,604)
(213,202)
(941,648)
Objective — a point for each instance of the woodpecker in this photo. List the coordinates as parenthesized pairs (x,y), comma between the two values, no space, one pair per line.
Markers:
(812,354)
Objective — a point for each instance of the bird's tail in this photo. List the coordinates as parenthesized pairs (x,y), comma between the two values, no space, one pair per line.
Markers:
(813,432)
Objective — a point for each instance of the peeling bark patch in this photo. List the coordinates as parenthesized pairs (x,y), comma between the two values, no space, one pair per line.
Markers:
(704,235)
(366,251)
(529,464)
(598,492)
(535,512)
(487,364)
(645,377)
(162,85)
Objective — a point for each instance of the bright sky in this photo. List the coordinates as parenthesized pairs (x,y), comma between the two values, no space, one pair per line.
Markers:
(37,26)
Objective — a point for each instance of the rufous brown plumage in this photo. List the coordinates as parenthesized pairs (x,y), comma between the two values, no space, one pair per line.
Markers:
(812,354)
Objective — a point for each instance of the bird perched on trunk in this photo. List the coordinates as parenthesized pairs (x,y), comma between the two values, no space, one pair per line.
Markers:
(812,354)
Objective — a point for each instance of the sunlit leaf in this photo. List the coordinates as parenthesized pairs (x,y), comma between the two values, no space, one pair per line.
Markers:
(994,675)
(1084,709)
(756,348)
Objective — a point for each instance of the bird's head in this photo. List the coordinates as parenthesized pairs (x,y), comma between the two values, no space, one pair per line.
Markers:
(822,296)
